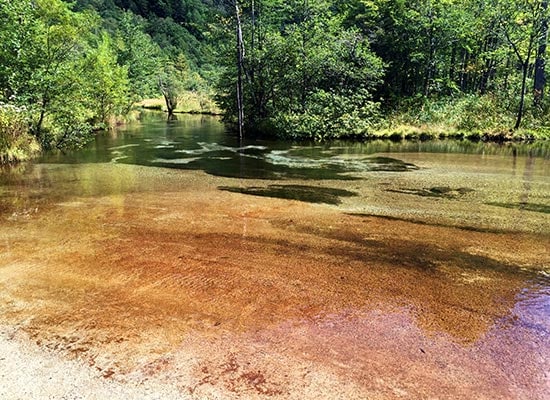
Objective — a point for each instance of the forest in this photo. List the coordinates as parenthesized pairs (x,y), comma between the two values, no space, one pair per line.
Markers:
(294,69)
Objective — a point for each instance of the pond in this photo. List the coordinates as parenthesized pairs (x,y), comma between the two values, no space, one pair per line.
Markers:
(170,253)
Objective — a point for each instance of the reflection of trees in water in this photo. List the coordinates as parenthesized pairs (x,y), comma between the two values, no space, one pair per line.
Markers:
(527,177)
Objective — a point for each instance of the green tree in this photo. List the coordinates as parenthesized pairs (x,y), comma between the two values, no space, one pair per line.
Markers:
(140,55)
(107,88)
(173,80)
(42,58)
(522,24)
(300,65)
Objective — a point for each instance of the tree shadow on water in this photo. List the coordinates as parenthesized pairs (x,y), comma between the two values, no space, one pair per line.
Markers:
(310,194)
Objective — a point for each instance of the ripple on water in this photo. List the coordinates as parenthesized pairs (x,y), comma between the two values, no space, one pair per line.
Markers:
(176,161)
(125,146)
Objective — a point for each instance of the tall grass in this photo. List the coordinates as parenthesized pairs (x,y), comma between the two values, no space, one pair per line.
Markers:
(16,144)
(470,116)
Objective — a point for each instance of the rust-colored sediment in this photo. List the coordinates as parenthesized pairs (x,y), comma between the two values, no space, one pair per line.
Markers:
(224,295)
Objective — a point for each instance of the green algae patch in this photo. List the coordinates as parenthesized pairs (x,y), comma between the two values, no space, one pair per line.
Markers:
(478,229)
(540,208)
(437,191)
(309,194)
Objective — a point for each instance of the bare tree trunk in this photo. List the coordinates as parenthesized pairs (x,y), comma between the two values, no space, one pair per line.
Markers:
(240,59)
(489,67)
(540,62)
(170,97)
(452,64)
(507,74)
(429,73)
(524,61)
(38,127)
(463,71)
(170,104)
(525,69)
(253,33)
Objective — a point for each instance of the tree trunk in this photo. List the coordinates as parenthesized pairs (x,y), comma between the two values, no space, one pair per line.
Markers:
(170,104)
(507,74)
(463,71)
(38,133)
(489,67)
(430,67)
(452,65)
(240,59)
(525,70)
(525,62)
(169,93)
(540,62)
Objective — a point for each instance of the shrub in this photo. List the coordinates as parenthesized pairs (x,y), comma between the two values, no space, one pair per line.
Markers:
(16,144)
(467,113)
(330,116)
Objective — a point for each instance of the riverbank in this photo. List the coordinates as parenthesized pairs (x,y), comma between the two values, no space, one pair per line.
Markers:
(16,143)
(190,103)
(438,131)
(16,146)
(29,372)
(393,127)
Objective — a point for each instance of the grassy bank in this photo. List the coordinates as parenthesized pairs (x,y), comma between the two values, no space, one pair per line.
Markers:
(398,131)
(487,118)
(477,118)
(190,102)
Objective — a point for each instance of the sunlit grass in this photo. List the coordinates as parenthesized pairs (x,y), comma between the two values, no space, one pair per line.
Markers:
(190,102)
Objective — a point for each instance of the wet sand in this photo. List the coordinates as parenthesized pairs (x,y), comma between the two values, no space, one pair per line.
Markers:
(150,283)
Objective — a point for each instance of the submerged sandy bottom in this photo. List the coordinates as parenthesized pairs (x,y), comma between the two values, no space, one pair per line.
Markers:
(151,283)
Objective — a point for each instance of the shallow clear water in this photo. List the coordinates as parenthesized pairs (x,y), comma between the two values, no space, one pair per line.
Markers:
(169,241)
(201,142)
(464,183)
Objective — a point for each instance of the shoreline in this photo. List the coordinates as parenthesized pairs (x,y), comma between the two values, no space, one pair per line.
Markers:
(403,135)
(28,371)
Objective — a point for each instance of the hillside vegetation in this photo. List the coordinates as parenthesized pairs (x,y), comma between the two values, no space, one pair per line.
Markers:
(295,69)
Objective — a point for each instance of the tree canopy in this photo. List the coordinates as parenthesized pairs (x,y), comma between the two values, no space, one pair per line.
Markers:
(300,69)
(322,69)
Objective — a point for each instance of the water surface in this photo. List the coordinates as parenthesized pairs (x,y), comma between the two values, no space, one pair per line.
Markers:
(171,252)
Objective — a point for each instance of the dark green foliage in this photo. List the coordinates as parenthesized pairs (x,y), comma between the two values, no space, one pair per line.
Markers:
(175,25)
(474,51)
(61,69)
(306,76)
(142,57)
(322,69)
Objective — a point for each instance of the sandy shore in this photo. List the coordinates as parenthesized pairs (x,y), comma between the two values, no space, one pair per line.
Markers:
(28,372)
